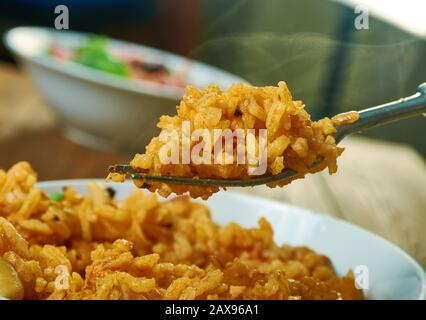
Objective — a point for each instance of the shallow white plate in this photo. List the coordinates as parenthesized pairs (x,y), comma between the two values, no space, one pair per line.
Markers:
(392,274)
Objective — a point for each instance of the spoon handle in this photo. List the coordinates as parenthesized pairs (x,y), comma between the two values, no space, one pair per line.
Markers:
(386,113)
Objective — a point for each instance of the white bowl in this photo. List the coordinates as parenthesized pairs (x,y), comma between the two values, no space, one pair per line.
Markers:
(392,274)
(98,108)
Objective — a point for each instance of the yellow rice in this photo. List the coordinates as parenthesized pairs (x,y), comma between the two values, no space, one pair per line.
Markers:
(94,247)
(293,140)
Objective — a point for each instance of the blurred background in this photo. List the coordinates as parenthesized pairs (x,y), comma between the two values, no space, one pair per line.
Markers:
(311,44)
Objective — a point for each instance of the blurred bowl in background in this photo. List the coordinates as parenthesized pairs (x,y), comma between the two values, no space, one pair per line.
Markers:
(101,109)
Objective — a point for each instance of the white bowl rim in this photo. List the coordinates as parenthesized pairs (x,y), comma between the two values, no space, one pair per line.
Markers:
(100,77)
(416,266)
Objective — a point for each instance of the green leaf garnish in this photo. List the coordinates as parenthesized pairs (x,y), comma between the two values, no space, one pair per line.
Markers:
(94,54)
(57,197)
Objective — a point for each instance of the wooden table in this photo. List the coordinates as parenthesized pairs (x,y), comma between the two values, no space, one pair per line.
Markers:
(379,186)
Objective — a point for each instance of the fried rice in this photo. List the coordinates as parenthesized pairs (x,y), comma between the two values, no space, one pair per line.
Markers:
(293,140)
(95,247)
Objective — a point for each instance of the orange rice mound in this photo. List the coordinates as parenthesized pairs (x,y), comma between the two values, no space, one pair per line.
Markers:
(94,247)
(293,140)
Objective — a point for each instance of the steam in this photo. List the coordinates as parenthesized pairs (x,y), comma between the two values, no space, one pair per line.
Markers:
(303,61)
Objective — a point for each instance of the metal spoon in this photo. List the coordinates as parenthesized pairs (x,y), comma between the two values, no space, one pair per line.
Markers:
(368,118)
